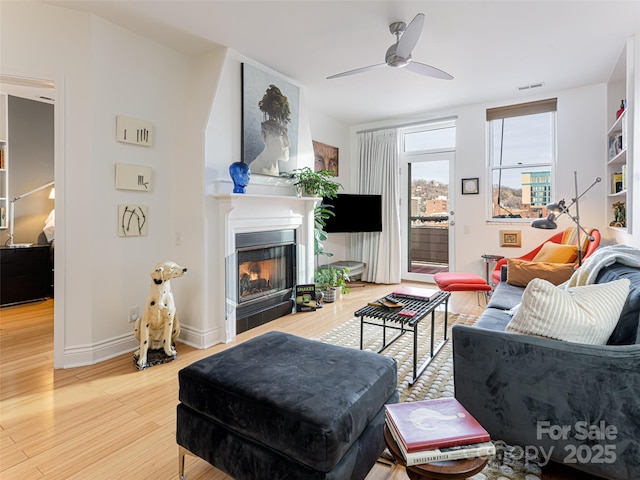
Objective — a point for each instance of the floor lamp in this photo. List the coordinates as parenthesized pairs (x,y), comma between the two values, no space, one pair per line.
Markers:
(12,212)
(557,209)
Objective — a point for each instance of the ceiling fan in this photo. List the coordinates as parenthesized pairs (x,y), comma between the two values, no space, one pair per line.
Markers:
(399,54)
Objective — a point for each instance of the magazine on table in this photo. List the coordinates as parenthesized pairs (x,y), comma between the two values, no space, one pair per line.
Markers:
(415,293)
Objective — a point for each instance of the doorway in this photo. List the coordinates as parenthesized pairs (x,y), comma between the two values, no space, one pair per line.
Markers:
(48,91)
(428,153)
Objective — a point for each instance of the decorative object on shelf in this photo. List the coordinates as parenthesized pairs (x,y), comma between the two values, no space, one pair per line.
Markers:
(319,298)
(132,220)
(619,215)
(133,130)
(270,119)
(133,177)
(159,327)
(621,109)
(326,157)
(510,238)
(240,175)
(12,208)
(557,209)
(470,186)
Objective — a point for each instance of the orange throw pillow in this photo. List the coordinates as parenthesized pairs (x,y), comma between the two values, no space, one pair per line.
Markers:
(520,272)
(556,253)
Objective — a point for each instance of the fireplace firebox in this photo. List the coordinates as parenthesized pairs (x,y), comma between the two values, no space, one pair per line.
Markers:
(266,271)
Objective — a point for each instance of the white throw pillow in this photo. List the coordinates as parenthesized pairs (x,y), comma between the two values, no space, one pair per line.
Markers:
(586,314)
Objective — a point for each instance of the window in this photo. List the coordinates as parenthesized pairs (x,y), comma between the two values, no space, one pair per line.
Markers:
(438,136)
(522,157)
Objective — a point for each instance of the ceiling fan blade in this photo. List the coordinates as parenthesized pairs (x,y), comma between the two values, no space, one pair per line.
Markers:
(357,70)
(428,70)
(410,37)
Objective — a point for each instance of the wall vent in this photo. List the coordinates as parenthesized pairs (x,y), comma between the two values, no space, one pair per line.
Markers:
(533,85)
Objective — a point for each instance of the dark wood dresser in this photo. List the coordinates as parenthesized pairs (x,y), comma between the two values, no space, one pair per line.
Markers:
(25,274)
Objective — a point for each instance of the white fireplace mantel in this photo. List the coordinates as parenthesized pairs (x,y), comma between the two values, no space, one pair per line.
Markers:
(234,213)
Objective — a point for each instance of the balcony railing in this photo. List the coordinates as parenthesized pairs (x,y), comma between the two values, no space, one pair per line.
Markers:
(430,242)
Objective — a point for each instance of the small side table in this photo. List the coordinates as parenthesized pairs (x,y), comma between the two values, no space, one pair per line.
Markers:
(448,470)
(490,259)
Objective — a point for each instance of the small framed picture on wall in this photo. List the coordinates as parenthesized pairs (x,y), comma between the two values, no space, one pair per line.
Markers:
(510,238)
(470,186)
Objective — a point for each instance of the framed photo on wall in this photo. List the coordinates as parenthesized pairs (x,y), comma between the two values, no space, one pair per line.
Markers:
(270,122)
(470,186)
(325,157)
(510,238)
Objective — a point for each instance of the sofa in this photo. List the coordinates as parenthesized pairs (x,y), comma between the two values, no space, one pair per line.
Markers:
(568,402)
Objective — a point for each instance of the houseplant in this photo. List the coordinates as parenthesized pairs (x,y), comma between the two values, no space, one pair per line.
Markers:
(320,183)
(330,280)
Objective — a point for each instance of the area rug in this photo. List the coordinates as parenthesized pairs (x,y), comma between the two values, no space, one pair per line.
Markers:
(435,382)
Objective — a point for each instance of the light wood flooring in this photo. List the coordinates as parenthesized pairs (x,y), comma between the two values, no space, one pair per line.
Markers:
(111,421)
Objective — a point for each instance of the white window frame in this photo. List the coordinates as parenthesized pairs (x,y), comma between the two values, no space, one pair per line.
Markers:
(530,108)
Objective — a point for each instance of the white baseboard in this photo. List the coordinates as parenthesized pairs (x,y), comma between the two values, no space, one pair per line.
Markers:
(83,355)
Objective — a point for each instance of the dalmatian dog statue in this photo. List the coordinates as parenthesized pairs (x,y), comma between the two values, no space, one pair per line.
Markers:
(159,327)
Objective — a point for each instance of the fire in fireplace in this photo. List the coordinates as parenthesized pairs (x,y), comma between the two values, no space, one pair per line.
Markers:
(266,276)
(259,276)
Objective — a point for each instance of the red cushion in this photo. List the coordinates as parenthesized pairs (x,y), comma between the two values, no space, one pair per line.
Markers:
(447,278)
(465,287)
(458,282)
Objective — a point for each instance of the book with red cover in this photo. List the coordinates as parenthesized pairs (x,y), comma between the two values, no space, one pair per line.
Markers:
(415,293)
(431,424)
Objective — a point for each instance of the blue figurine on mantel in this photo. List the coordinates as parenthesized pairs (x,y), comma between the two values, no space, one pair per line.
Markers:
(240,175)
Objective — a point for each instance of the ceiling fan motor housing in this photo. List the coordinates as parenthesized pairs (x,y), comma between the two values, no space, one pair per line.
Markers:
(394,60)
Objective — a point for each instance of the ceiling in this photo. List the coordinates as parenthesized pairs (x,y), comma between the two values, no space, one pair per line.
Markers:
(490,47)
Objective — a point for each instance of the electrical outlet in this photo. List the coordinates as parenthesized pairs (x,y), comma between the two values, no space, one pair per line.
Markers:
(134,313)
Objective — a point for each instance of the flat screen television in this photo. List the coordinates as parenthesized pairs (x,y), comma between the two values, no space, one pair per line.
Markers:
(355,213)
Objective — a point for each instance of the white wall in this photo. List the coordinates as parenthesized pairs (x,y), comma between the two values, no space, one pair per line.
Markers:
(581,132)
(328,130)
(634,79)
(223,140)
(101,71)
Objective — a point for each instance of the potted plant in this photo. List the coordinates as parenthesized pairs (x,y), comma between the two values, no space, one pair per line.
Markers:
(330,280)
(320,184)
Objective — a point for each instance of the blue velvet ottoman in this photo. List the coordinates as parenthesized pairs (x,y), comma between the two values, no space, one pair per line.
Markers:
(282,407)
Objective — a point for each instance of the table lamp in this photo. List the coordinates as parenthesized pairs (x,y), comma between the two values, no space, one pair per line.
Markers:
(12,211)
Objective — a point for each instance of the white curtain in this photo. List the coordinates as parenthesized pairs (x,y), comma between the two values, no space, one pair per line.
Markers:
(379,173)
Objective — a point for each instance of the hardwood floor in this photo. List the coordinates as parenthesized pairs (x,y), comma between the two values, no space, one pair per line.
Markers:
(109,420)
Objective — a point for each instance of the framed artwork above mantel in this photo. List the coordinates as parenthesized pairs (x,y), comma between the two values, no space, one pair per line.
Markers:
(270,122)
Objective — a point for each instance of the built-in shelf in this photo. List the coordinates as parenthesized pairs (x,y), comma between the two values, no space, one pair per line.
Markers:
(619,159)
(618,167)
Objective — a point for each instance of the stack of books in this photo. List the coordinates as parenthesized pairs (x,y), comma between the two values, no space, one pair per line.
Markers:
(436,430)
